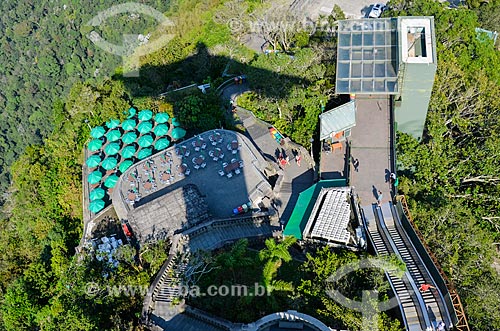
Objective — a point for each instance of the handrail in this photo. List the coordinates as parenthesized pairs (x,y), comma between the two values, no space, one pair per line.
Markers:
(462,324)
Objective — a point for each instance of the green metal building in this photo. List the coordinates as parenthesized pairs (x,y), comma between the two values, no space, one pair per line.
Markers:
(391,56)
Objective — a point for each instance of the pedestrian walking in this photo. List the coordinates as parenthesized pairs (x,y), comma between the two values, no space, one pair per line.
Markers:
(355,163)
(380,195)
(298,159)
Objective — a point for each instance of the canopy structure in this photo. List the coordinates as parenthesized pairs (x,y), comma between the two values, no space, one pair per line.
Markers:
(161,130)
(144,153)
(94,177)
(129,137)
(129,125)
(145,141)
(97,132)
(113,135)
(162,143)
(113,123)
(111,181)
(131,112)
(145,127)
(96,194)
(161,118)
(109,163)
(178,133)
(176,122)
(145,115)
(95,145)
(128,151)
(112,149)
(96,206)
(337,120)
(125,165)
(93,161)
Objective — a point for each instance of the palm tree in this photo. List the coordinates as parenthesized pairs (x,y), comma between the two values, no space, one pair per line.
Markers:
(274,254)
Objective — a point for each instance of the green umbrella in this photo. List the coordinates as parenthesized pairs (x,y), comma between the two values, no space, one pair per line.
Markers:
(94,177)
(129,137)
(131,112)
(93,161)
(97,132)
(111,181)
(161,130)
(161,118)
(109,163)
(95,145)
(175,122)
(96,206)
(113,135)
(129,125)
(112,149)
(145,127)
(128,151)
(162,143)
(145,141)
(113,123)
(96,194)
(125,165)
(178,133)
(144,153)
(145,115)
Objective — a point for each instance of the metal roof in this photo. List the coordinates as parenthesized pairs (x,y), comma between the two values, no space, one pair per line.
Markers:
(337,120)
(367,59)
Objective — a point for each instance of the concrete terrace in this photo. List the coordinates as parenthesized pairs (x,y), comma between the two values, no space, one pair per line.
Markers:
(221,193)
(370,144)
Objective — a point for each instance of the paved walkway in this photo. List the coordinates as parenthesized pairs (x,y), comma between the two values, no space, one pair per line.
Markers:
(370,144)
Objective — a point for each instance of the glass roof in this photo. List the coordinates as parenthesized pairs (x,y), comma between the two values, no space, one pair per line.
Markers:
(367,58)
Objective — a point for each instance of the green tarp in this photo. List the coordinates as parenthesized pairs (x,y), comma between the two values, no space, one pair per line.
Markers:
(304,206)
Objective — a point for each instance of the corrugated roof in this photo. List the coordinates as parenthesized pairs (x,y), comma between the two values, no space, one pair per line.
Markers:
(337,119)
(304,206)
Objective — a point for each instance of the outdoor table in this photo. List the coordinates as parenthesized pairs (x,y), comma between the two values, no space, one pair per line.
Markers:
(131,178)
(131,196)
(148,185)
(198,160)
(182,168)
(181,150)
(234,144)
(215,137)
(198,143)
(146,165)
(217,153)
(232,166)
(165,176)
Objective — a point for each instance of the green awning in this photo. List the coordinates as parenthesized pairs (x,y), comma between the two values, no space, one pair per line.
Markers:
(304,206)
(128,151)
(112,149)
(178,133)
(113,123)
(129,125)
(131,112)
(161,118)
(96,194)
(145,141)
(94,177)
(93,161)
(111,181)
(129,137)
(162,143)
(144,153)
(125,165)
(109,163)
(145,115)
(95,145)
(145,127)
(96,206)
(161,130)
(97,132)
(113,135)
(175,122)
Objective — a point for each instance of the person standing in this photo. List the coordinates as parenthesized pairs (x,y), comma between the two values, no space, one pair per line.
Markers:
(380,195)
(355,163)
(298,158)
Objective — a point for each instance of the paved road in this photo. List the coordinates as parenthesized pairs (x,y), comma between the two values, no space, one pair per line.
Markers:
(352,8)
